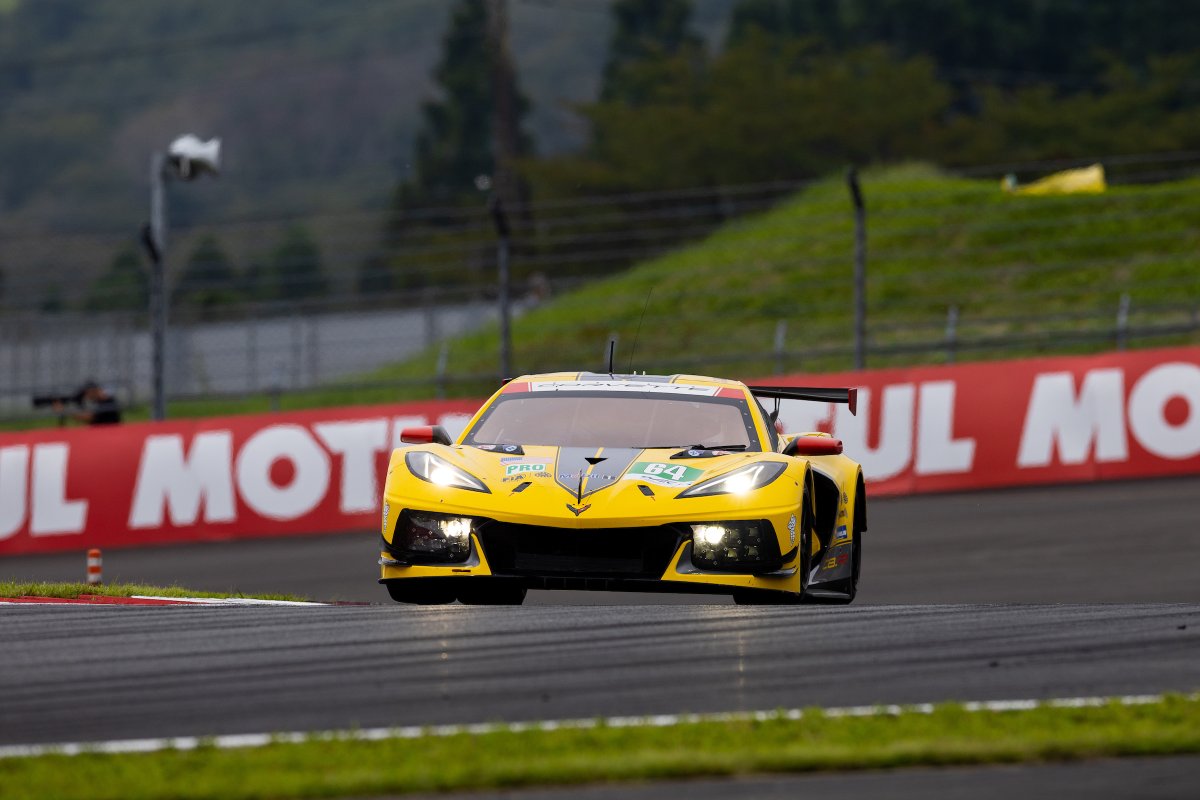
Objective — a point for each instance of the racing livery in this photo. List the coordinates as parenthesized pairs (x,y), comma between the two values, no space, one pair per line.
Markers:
(624,482)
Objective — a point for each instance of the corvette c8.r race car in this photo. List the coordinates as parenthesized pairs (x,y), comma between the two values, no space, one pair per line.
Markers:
(624,482)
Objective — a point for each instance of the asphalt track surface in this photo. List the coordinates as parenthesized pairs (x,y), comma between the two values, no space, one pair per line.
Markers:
(1123,542)
(953,606)
(71,673)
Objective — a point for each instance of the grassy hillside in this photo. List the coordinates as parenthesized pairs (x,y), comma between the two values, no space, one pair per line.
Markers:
(1037,268)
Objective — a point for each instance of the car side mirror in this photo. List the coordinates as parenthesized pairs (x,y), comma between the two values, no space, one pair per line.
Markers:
(425,434)
(813,446)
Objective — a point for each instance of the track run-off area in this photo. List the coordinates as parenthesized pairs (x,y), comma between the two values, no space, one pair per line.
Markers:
(1060,592)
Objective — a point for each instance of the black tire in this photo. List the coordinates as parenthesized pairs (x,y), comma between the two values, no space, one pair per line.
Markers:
(850,586)
(485,592)
(855,566)
(421,592)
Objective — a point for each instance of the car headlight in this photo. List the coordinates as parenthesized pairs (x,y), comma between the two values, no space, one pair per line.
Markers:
(735,546)
(740,481)
(441,472)
(423,537)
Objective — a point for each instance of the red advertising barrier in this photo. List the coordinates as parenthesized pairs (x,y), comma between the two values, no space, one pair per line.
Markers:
(219,478)
(923,429)
(1011,423)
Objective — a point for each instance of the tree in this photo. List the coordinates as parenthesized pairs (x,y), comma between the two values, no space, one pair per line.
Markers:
(454,144)
(296,272)
(646,33)
(208,279)
(124,286)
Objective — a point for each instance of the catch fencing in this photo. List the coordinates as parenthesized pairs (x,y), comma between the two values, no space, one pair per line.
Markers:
(390,285)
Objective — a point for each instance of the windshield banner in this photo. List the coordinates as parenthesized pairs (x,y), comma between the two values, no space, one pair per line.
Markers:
(920,429)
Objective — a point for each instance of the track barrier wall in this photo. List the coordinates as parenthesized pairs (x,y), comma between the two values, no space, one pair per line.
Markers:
(920,429)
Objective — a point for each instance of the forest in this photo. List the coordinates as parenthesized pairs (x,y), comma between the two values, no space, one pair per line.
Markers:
(382,108)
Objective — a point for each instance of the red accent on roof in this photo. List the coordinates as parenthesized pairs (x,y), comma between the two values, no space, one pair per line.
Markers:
(727,392)
(522,386)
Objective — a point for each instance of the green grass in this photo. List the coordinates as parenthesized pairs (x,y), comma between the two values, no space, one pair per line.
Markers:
(950,735)
(1009,263)
(73,590)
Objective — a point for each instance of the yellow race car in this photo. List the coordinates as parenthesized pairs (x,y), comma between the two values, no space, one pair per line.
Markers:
(624,482)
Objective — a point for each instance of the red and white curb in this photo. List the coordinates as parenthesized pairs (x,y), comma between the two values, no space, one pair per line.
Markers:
(245,740)
(150,600)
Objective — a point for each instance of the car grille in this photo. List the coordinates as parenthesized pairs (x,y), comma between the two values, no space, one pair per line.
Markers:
(600,552)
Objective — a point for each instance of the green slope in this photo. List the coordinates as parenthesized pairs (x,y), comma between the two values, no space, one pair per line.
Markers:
(1028,274)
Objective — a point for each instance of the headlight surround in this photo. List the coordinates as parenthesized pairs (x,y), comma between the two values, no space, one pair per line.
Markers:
(440,472)
(742,480)
(743,546)
(423,537)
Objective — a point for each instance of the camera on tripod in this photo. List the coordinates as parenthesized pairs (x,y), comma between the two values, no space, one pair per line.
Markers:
(47,400)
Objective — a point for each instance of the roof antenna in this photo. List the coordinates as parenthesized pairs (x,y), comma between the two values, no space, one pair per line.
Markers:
(641,319)
(612,350)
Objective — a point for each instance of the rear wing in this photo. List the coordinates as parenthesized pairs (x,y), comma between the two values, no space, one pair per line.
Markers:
(819,395)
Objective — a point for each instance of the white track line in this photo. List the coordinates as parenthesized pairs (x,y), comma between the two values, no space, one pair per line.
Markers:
(243,740)
(229,601)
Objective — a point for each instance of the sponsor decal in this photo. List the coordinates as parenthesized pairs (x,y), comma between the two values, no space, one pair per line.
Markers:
(841,533)
(524,466)
(833,562)
(386,509)
(792,529)
(524,476)
(673,475)
(574,476)
(641,387)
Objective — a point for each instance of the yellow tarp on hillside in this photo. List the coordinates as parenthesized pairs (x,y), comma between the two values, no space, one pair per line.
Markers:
(1085,180)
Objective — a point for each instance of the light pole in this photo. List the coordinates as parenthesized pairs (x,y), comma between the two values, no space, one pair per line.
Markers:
(185,159)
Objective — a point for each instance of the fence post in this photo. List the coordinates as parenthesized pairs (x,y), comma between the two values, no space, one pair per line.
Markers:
(442,360)
(860,270)
(502,252)
(314,350)
(297,350)
(780,340)
(251,320)
(951,334)
(1123,321)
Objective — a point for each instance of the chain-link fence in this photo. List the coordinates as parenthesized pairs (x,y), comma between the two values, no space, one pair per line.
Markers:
(273,309)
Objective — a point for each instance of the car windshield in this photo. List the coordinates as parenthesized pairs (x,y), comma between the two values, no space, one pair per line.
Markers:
(609,419)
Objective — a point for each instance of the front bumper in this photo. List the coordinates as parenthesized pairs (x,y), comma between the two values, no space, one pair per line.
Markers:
(652,558)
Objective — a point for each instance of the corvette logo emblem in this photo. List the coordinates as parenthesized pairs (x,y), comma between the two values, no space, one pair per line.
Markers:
(577,510)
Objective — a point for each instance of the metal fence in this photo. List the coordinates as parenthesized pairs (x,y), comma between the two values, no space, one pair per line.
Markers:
(392,288)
